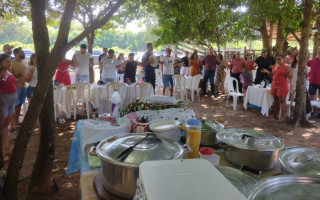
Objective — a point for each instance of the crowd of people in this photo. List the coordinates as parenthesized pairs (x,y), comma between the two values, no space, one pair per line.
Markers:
(18,78)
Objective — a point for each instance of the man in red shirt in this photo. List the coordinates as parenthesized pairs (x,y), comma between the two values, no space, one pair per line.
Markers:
(314,80)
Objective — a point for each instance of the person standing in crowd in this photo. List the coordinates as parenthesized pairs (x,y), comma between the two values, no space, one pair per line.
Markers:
(221,74)
(293,82)
(62,73)
(109,67)
(82,60)
(167,68)
(149,71)
(104,54)
(210,65)
(290,57)
(279,87)
(314,75)
(237,67)
(119,71)
(185,69)
(8,93)
(264,62)
(195,64)
(250,67)
(129,68)
(8,50)
(18,69)
(31,76)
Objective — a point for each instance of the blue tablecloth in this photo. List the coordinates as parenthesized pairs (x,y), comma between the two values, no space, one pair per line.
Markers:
(78,160)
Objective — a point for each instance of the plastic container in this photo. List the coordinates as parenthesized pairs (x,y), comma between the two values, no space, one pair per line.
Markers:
(207,153)
(116,102)
(193,137)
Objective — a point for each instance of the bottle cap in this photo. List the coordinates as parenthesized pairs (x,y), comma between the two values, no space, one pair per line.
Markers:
(194,122)
(207,151)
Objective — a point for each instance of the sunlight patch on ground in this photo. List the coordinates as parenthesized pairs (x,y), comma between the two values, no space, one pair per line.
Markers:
(307,135)
(68,185)
(60,134)
(290,133)
(204,105)
(54,170)
(257,129)
(65,169)
(204,118)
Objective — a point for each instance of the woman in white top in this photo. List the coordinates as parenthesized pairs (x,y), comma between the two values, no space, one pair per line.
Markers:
(32,76)
(293,81)
(109,64)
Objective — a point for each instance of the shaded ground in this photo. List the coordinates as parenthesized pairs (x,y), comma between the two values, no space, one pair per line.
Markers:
(206,108)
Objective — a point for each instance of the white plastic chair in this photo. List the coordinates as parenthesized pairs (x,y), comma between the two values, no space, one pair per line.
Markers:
(179,85)
(143,90)
(194,86)
(80,97)
(232,92)
(110,90)
(290,104)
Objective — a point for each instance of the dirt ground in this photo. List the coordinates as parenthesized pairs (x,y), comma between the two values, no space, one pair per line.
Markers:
(206,108)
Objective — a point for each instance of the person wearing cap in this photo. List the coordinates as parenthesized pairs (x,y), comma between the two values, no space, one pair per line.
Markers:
(264,62)
(104,54)
(82,60)
(167,68)
(8,50)
(18,69)
(210,65)
(149,71)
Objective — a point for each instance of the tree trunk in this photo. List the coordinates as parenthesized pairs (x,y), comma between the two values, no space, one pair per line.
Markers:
(1,153)
(271,34)
(316,38)
(264,36)
(285,47)
(45,78)
(300,107)
(280,39)
(90,40)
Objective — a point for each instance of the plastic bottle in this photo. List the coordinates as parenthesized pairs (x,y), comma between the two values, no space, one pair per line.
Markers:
(207,153)
(193,137)
(116,101)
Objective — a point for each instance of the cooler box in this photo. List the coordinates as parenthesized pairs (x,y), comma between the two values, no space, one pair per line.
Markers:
(192,179)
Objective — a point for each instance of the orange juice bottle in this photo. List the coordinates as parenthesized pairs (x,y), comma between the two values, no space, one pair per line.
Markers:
(193,137)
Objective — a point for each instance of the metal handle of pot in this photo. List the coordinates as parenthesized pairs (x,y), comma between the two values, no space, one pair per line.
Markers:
(224,146)
(246,168)
(187,147)
(245,135)
(291,147)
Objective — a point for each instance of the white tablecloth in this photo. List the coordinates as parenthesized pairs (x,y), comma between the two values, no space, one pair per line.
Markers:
(260,97)
(95,131)
(98,96)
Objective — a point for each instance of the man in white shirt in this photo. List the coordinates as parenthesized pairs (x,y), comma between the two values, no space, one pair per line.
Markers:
(167,70)
(82,61)
(109,65)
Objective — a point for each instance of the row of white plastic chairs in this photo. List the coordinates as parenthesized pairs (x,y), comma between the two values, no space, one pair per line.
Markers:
(83,95)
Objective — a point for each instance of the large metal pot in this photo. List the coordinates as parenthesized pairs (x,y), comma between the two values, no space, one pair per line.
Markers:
(255,149)
(293,187)
(242,181)
(296,160)
(209,129)
(120,176)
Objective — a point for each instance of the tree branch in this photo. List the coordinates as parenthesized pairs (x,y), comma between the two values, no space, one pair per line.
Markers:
(96,24)
(295,36)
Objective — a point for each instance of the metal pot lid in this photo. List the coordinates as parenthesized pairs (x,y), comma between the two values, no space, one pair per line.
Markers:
(250,139)
(213,126)
(242,181)
(301,160)
(152,148)
(297,187)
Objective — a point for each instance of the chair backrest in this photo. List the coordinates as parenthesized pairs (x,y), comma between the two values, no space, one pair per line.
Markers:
(81,89)
(55,94)
(177,80)
(195,81)
(115,86)
(230,84)
(143,90)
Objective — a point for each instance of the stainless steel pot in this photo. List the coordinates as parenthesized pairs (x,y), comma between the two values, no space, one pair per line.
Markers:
(209,129)
(296,160)
(119,176)
(255,149)
(293,187)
